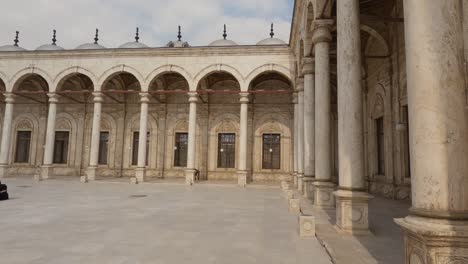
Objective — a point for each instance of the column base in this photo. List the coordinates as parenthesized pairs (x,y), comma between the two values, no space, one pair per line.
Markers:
(91,173)
(190,176)
(242,178)
(352,211)
(46,172)
(140,175)
(308,186)
(434,241)
(3,171)
(294,179)
(324,197)
(300,183)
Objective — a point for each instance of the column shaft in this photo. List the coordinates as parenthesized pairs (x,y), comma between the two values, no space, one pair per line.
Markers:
(308,71)
(300,137)
(6,134)
(142,138)
(192,130)
(242,173)
(46,169)
(296,137)
(95,134)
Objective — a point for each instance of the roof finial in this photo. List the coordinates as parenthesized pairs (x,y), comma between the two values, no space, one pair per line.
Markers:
(54,38)
(137,35)
(179,36)
(16,38)
(96,37)
(272,31)
(225,32)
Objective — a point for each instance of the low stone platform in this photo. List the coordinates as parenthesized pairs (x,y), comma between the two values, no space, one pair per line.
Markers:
(63,221)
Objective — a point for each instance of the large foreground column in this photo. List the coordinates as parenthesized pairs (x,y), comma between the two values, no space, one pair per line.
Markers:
(309,126)
(95,133)
(296,160)
(47,168)
(351,198)
(140,172)
(324,187)
(6,134)
(300,134)
(437,229)
(192,130)
(242,173)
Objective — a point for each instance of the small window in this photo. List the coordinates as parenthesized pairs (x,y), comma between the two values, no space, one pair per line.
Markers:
(103,148)
(380,146)
(61,147)
(271,151)
(23,143)
(180,150)
(136,139)
(226,150)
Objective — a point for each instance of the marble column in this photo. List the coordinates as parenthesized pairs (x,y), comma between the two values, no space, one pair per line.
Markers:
(192,131)
(95,134)
(308,71)
(242,174)
(351,198)
(47,167)
(6,134)
(296,130)
(436,231)
(324,187)
(140,172)
(300,133)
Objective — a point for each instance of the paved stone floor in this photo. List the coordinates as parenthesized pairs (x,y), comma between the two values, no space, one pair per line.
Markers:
(61,221)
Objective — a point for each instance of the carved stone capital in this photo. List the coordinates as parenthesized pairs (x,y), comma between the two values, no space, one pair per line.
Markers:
(299,84)
(193,97)
(295,99)
(144,97)
(244,98)
(322,31)
(9,98)
(308,65)
(53,98)
(98,97)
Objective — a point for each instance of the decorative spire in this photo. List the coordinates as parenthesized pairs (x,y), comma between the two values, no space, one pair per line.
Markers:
(137,35)
(225,32)
(272,31)
(16,38)
(54,38)
(179,36)
(96,37)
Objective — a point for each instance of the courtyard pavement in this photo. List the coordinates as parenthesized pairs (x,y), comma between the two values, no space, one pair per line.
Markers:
(60,221)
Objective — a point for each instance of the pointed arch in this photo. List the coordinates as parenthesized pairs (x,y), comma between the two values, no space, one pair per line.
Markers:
(169,68)
(122,68)
(64,74)
(217,68)
(26,72)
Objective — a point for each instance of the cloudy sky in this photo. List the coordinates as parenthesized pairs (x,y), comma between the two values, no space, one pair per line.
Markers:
(248,21)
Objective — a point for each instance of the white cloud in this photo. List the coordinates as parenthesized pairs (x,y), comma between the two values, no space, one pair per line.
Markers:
(202,20)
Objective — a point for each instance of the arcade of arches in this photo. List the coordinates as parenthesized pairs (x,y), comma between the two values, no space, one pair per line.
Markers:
(369,97)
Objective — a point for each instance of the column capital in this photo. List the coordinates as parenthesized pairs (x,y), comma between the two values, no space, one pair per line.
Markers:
(193,97)
(53,98)
(144,97)
(98,97)
(300,84)
(244,97)
(321,32)
(308,65)
(9,98)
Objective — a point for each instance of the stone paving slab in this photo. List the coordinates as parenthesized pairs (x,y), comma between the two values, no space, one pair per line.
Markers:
(68,222)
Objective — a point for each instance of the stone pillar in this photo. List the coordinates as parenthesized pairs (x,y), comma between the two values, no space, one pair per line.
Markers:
(436,231)
(296,130)
(140,171)
(95,134)
(351,198)
(300,133)
(242,174)
(6,134)
(46,169)
(192,131)
(324,187)
(308,71)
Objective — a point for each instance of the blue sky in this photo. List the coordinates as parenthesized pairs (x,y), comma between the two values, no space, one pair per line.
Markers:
(248,21)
